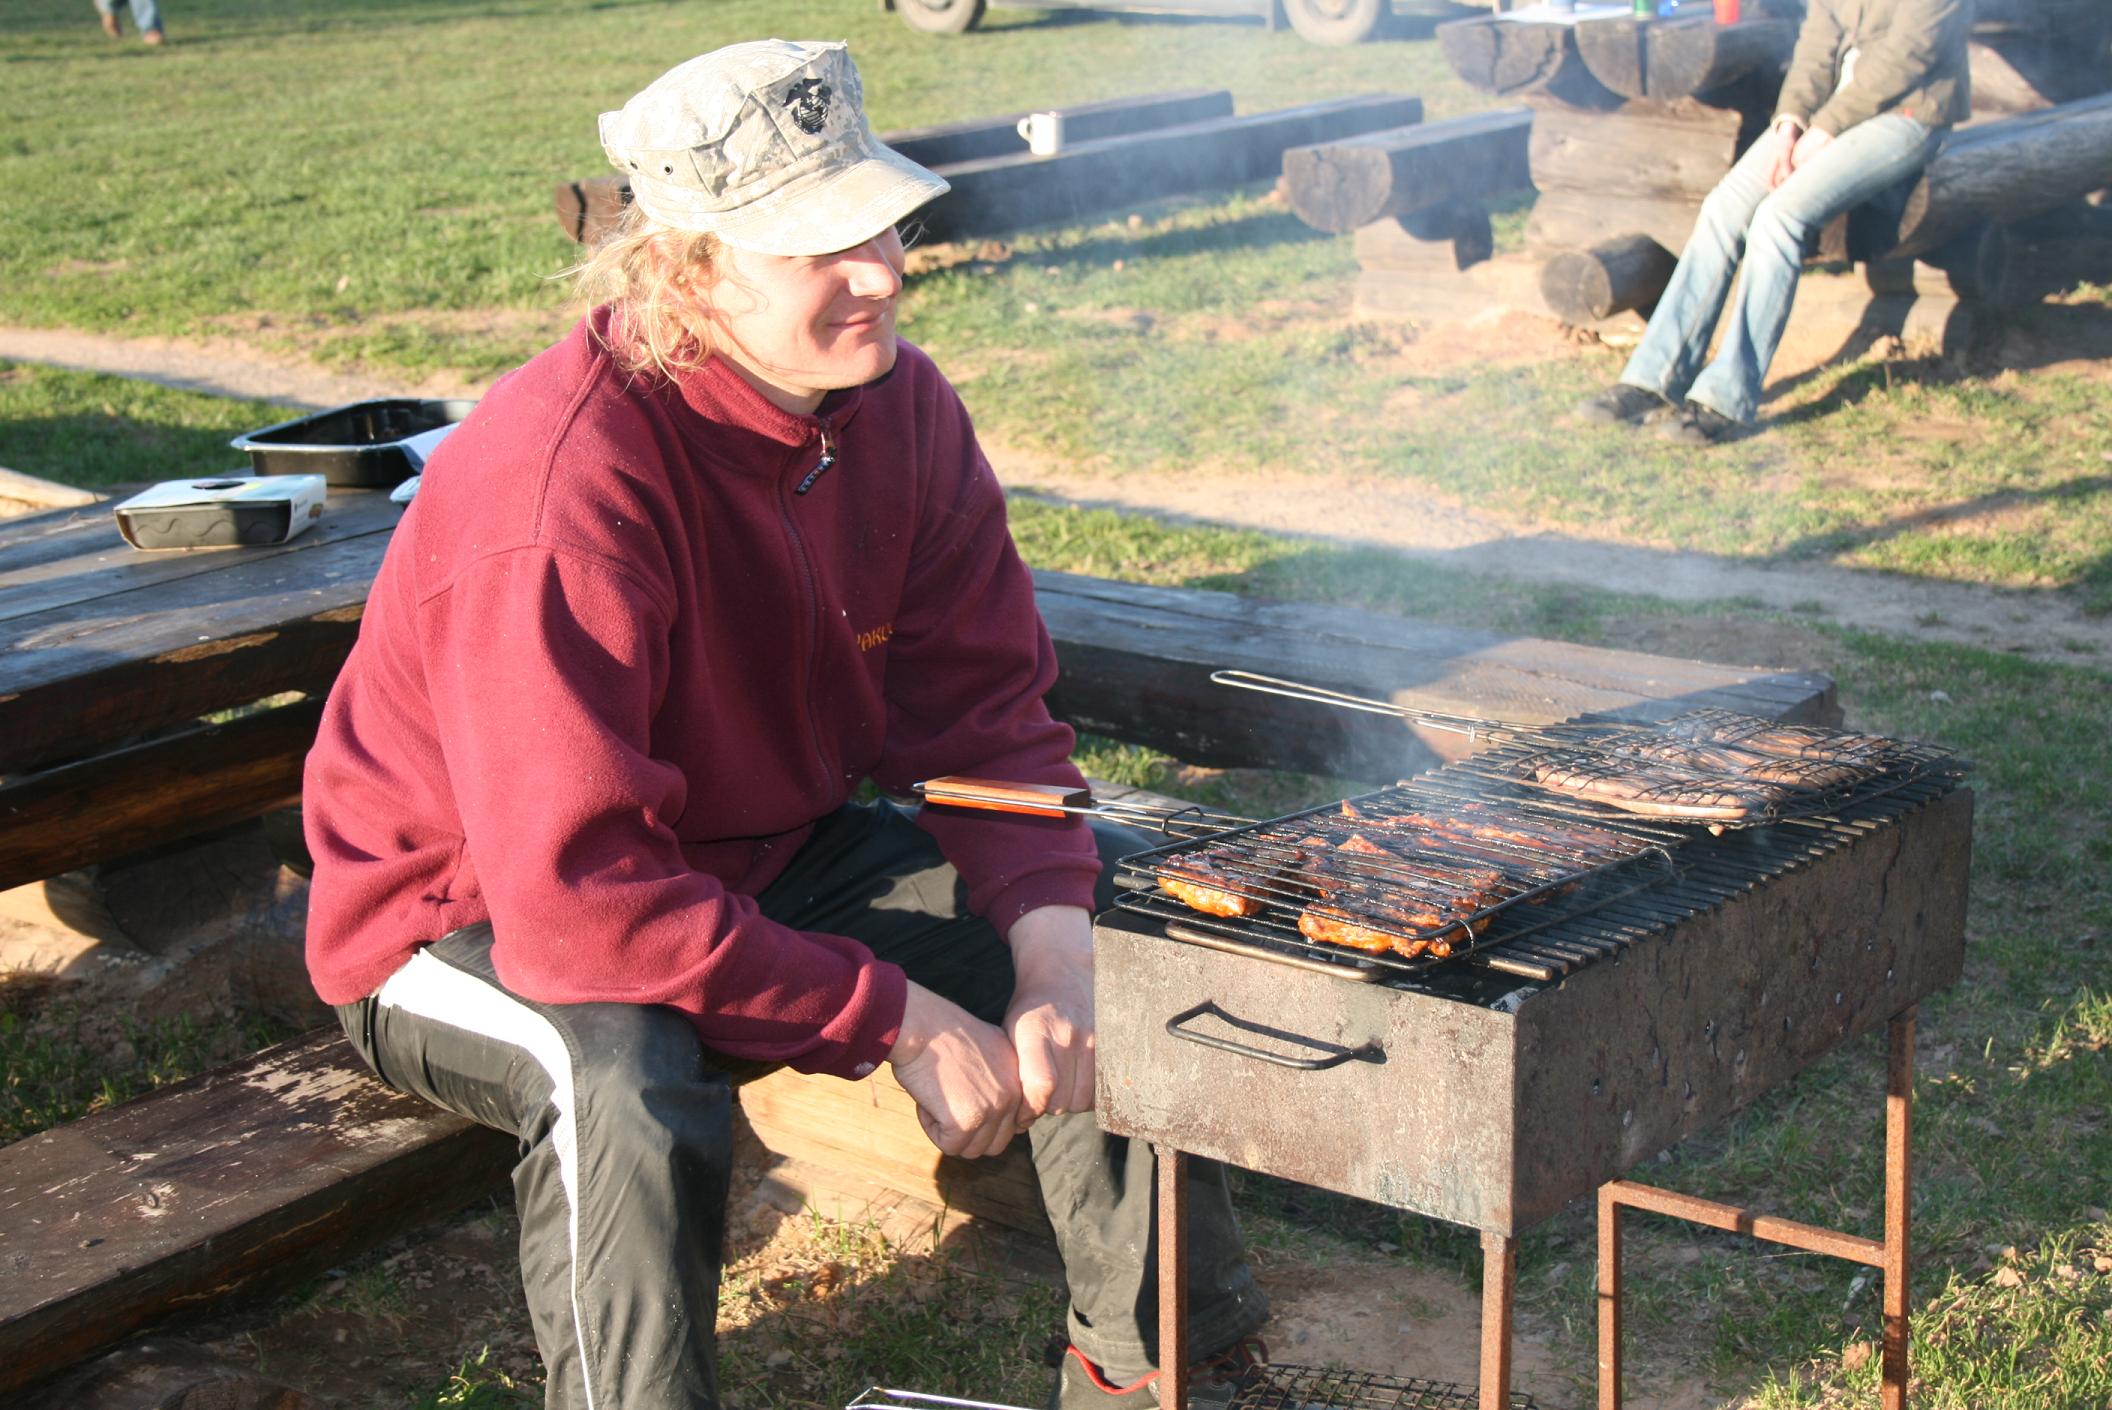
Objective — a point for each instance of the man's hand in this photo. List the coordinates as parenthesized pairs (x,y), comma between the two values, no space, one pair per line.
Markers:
(961,1072)
(1050,1021)
(1808,146)
(1784,135)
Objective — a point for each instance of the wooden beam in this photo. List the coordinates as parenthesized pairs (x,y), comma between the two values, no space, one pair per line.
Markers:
(1084,179)
(233,1184)
(1667,151)
(588,209)
(1667,60)
(2007,171)
(1339,186)
(1584,286)
(171,788)
(1136,661)
(974,139)
(1577,220)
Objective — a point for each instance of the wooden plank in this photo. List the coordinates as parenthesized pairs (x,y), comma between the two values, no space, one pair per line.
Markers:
(1340,186)
(1135,664)
(1664,150)
(1010,193)
(973,139)
(84,678)
(232,1184)
(70,557)
(172,788)
(1577,220)
(871,1127)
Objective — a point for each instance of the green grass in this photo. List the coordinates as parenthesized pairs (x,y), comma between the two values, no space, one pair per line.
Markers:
(93,431)
(355,172)
(59,1063)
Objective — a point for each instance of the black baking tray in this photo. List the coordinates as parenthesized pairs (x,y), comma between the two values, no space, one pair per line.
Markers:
(359,444)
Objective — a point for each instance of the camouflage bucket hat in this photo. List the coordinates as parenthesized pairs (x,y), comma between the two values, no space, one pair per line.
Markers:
(766,146)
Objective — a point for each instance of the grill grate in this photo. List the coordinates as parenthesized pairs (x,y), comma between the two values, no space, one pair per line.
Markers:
(1310,1388)
(1589,913)
(1505,847)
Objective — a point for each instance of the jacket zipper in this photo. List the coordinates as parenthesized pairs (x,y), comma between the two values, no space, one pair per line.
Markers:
(806,567)
(821,467)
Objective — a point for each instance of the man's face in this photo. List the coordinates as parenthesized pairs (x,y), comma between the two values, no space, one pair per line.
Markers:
(798,326)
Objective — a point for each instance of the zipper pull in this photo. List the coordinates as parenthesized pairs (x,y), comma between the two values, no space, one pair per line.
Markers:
(821,467)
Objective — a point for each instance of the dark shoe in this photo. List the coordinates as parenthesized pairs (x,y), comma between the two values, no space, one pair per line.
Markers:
(1620,404)
(110,26)
(1212,1381)
(1699,426)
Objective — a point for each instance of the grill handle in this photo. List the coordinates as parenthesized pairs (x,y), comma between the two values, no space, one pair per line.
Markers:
(1335,1055)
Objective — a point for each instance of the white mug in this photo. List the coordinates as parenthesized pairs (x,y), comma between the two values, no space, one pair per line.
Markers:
(1043,133)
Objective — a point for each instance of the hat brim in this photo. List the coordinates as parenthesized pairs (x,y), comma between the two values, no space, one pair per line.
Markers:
(832,210)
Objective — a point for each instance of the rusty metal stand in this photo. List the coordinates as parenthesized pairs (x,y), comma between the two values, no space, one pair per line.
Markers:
(1173,1276)
(1499,1281)
(1889,1254)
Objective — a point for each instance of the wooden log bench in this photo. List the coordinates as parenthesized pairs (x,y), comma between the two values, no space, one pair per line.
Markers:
(588,209)
(247,1179)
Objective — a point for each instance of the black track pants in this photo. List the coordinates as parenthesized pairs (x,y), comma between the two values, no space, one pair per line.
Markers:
(625,1125)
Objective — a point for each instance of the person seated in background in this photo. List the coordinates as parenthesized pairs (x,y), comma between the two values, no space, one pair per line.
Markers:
(1872,87)
(581,805)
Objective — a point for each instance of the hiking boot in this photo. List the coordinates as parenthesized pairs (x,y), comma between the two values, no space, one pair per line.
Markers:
(1620,404)
(1212,1381)
(1698,426)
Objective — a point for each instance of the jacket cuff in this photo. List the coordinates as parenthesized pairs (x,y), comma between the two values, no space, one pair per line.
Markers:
(1065,887)
(854,1043)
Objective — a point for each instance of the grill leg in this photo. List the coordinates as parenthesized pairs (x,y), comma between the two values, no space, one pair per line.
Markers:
(1899,1176)
(1499,1280)
(1609,1299)
(1173,1277)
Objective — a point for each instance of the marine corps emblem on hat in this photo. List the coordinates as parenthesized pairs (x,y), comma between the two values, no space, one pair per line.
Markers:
(765,145)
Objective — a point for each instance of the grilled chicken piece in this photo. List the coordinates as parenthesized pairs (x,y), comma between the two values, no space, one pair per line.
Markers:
(1337,925)
(1657,790)
(1737,763)
(1765,736)
(1210,900)
(1198,881)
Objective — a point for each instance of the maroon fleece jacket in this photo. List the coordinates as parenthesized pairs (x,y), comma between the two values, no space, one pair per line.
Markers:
(626,648)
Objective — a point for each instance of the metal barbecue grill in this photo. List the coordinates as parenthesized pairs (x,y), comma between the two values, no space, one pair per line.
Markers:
(1578,1038)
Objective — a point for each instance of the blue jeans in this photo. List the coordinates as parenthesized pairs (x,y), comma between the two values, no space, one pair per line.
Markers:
(145,13)
(1772,229)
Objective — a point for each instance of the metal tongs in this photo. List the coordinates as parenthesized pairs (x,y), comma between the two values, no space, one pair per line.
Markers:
(1468,725)
(883,1398)
(1050,800)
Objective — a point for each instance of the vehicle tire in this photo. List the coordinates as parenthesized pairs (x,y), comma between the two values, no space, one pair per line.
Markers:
(940,16)
(1331,21)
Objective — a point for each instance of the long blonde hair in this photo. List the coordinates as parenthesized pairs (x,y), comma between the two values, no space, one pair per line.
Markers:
(656,277)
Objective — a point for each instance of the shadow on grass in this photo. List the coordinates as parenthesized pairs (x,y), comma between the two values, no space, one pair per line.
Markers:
(1266,230)
(105,451)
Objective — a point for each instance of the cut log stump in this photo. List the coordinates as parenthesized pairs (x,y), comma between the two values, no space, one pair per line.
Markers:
(1583,286)
(1667,60)
(1513,60)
